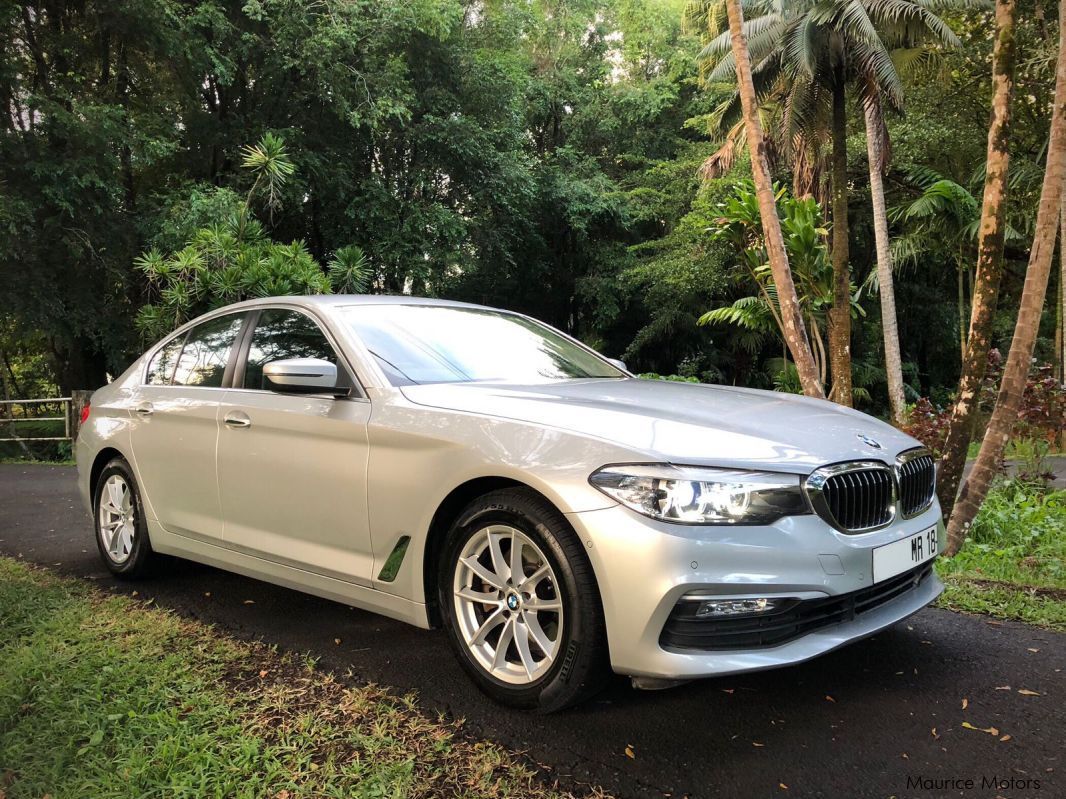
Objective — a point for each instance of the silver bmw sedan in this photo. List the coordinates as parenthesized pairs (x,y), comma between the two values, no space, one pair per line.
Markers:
(460,466)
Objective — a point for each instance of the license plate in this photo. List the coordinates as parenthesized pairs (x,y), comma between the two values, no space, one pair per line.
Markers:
(905,554)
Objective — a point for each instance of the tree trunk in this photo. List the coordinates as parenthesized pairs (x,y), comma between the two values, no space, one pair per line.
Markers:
(794,331)
(1062,303)
(840,314)
(1016,369)
(961,302)
(989,261)
(876,156)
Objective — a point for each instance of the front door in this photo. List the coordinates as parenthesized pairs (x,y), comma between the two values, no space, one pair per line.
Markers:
(175,427)
(292,468)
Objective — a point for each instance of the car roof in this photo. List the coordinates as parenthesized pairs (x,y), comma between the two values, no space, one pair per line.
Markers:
(344,300)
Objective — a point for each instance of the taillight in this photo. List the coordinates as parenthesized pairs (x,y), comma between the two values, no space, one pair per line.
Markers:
(85,412)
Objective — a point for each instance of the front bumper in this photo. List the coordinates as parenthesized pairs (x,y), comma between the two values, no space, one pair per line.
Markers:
(644,567)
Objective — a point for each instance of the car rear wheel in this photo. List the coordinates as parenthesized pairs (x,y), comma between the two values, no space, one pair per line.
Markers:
(520,603)
(121,531)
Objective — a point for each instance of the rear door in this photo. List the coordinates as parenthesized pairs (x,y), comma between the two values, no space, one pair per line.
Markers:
(175,426)
(292,468)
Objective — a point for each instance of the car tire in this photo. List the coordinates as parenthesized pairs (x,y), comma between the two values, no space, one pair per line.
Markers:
(542,603)
(118,519)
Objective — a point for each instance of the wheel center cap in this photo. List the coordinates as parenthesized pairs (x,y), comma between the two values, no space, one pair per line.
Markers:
(513,601)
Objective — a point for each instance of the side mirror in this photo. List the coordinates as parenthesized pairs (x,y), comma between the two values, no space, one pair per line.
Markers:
(302,376)
(616,362)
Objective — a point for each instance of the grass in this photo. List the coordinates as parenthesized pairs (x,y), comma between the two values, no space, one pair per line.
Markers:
(1013,563)
(104,696)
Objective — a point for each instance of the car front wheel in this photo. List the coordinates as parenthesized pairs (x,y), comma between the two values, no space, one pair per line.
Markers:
(520,603)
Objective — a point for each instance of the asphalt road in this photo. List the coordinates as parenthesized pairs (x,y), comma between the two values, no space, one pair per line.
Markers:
(859,722)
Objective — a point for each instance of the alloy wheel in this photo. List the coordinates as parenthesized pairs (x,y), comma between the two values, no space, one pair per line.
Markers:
(507,604)
(117,518)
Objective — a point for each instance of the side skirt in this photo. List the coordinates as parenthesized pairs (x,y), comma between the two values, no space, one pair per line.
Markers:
(297,579)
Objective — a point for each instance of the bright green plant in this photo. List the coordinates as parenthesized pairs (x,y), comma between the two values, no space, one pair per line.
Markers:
(759,314)
(1017,536)
(668,378)
(234,259)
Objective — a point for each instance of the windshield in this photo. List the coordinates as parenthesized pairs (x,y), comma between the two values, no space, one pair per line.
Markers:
(444,344)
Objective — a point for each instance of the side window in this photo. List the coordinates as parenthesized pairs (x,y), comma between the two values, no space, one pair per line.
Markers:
(282,334)
(161,368)
(203,359)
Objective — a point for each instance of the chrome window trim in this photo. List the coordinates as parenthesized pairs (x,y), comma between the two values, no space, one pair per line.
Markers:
(359,388)
(906,457)
(184,330)
(814,483)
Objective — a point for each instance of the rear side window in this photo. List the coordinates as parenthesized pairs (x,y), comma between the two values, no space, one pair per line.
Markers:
(161,368)
(282,334)
(205,355)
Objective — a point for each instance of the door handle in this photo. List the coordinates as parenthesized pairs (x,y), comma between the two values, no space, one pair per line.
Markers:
(145,409)
(237,420)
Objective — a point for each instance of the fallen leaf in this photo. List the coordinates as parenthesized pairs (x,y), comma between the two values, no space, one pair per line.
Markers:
(337,641)
(965,703)
(728,690)
(1027,692)
(936,736)
(249,602)
(782,786)
(1005,737)
(263,673)
(989,730)
(1033,650)
(630,753)
(828,698)
(756,743)
(905,756)
(1002,687)
(282,794)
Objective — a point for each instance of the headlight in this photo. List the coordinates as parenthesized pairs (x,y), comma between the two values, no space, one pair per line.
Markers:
(690,495)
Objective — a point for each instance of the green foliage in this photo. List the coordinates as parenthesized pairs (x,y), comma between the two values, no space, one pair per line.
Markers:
(668,378)
(349,272)
(1013,562)
(759,314)
(1017,536)
(235,260)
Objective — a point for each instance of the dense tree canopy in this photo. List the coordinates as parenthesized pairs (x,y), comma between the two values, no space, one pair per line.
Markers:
(543,156)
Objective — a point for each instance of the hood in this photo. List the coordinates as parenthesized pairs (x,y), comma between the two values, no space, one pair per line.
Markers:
(684,423)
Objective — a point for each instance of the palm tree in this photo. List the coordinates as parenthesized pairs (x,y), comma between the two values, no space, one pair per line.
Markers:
(877,156)
(792,319)
(805,54)
(943,217)
(991,235)
(1016,369)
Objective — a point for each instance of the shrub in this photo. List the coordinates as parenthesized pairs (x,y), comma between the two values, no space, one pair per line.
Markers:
(1017,535)
(1042,414)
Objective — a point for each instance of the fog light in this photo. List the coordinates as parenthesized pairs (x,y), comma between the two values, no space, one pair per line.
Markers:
(736,607)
